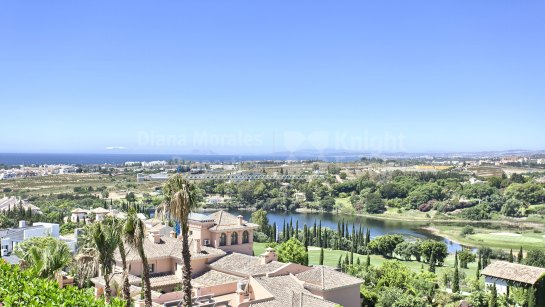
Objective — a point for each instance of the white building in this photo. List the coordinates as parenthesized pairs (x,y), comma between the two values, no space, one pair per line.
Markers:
(12,236)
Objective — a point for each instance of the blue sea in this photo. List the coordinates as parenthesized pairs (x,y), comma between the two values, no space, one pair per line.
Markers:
(117,159)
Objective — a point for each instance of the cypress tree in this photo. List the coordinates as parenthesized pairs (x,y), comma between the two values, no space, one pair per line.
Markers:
(493,302)
(314,234)
(320,234)
(520,256)
(456,278)
(305,242)
(274,232)
(432,263)
(358,263)
(531,297)
(297,229)
(284,231)
(342,228)
(368,236)
(511,257)
(368,261)
(321,256)
(339,262)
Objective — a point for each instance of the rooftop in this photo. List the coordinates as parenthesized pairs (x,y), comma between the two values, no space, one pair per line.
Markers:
(288,292)
(170,247)
(215,278)
(514,272)
(325,278)
(244,265)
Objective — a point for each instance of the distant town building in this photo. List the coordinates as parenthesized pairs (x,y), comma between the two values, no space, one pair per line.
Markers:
(151,177)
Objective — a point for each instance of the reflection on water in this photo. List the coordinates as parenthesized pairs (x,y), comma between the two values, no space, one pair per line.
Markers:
(410,230)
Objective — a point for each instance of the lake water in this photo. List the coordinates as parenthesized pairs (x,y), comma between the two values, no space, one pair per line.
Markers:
(410,230)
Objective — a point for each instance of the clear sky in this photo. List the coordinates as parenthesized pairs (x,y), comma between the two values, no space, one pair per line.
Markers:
(268,76)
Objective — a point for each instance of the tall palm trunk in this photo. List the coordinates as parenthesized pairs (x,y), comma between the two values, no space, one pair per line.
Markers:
(107,289)
(126,285)
(145,275)
(186,268)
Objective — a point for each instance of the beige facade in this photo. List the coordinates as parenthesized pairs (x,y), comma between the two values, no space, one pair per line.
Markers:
(225,272)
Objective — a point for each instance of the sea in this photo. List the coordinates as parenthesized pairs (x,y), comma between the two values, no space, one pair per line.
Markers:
(118,159)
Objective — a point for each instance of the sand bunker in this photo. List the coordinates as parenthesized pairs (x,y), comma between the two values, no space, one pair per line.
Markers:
(507,234)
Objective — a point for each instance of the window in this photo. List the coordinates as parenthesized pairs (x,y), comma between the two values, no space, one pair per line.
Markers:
(223,239)
(245,237)
(151,268)
(234,238)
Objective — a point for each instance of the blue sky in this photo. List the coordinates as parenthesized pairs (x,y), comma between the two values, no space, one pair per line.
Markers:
(267,76)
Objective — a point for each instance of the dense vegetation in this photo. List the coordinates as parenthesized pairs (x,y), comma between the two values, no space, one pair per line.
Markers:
(25,288)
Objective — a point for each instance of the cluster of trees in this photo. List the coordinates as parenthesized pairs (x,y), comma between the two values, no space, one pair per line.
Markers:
(25,288)
(372,193)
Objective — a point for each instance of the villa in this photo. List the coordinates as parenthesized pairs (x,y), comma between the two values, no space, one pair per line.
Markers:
(225,273)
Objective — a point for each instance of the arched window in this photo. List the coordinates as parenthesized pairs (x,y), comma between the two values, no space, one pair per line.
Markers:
(223,239)
(234,238)
(245,237)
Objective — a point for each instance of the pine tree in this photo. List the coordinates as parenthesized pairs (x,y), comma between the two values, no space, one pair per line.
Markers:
(456,278)
(520,256)
(511,256)
(321,256)
(493,302)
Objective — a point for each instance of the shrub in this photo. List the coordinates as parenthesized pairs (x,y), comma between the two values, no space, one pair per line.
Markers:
(467,230)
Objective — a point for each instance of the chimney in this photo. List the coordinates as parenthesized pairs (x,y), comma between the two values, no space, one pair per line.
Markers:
(241,292)
(240,220)
(172,234)
(22,224)
(154,236)
(197,246)
(268,256)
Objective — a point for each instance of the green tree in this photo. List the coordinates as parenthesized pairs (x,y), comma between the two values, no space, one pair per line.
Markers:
(292,251)
(260,218)
(180,200)
(374,203)
(134,232)
(493,301)
(535,257)
(520,255)
(105,240)
(436,248)
(46,256)
(456,279)
(531,297)
(321,256)
(466,257)
(385,245)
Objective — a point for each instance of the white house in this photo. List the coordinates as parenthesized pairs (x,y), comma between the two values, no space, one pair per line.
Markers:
(12,236)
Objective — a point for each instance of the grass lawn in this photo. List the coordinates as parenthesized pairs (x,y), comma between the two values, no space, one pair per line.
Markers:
(495,238)
(331,257)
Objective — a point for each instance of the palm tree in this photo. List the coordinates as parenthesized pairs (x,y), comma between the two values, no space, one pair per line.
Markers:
(126,285)
(180,200)
(105,239)
(134,232)
(48,262)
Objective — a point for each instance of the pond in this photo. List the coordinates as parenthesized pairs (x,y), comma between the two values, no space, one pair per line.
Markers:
(410,230)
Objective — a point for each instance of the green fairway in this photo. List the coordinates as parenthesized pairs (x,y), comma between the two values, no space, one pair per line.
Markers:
(495,238)
(331,257)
